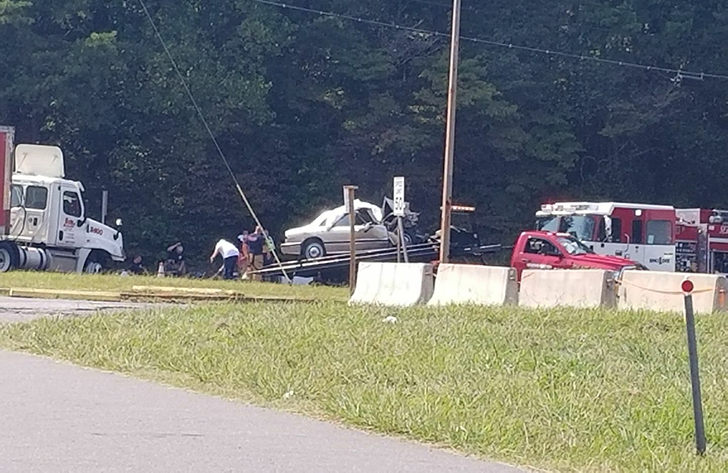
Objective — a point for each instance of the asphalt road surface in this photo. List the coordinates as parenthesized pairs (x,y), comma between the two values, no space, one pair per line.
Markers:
(58,417)
(24,310)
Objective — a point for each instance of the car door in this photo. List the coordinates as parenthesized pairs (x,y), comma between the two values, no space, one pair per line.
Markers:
(540,253)
(336,238)
(370,234)
(70,234)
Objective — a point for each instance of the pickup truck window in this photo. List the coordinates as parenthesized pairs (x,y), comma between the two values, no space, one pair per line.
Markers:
(36,198)
(539,246)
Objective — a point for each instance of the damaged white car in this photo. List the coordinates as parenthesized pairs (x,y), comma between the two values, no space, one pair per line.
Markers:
(329,233)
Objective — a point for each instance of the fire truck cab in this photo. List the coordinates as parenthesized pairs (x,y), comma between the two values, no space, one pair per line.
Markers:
(638,232)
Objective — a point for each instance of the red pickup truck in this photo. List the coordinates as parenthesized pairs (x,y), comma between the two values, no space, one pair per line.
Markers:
(546,250)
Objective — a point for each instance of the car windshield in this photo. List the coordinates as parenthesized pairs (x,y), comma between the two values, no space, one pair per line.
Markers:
(580,226)
(574,246)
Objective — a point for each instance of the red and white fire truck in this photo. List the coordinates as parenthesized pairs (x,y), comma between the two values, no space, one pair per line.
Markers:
(641,233)
(660,237)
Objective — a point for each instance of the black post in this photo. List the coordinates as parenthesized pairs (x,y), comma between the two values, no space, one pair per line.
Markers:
(695,376)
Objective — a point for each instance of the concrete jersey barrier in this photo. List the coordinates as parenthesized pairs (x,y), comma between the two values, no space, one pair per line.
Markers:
(479,285)
(661,291)
(393,284)
(587,288)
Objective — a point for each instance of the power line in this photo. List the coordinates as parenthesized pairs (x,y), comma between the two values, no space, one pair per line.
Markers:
(680,73)
(212,135)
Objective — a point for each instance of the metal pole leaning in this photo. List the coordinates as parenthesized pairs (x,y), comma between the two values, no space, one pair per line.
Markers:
(350,192)
(450,135)
(700,442)
(403,242)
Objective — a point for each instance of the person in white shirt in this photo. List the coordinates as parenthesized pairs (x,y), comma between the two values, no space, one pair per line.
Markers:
(229,254)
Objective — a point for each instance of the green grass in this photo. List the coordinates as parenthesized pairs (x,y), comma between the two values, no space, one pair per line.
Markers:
(560,389)
(114,283)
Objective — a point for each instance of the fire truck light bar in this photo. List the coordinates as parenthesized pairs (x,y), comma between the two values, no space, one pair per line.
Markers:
(569,208)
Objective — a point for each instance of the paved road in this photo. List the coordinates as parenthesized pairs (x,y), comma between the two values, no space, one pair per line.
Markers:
(58,417)
(24,310)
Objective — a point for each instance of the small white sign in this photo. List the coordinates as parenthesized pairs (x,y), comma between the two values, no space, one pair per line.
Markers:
(399,203)
(346,200)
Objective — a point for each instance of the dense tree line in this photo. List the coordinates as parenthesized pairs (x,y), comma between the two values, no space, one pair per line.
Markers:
(304,103)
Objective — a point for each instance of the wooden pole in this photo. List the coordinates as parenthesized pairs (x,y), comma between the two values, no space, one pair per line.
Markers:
(450,135)
(351,196)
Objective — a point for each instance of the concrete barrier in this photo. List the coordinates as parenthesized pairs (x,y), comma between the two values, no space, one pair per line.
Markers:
(586,288)
(393,284)
(479,285)
(652,290)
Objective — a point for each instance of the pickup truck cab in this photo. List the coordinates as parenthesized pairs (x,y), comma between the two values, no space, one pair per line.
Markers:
(546,250)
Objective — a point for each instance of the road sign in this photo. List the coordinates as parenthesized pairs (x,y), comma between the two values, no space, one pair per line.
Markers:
(399,204)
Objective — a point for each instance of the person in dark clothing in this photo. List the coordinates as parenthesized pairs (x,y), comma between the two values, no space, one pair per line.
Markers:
(137,266)
(176,260)
(256,249)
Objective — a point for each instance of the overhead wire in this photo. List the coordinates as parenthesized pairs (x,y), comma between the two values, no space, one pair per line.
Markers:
(680,73)
(205,123)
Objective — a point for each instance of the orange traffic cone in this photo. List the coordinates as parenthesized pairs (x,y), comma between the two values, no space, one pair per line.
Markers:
(160,270)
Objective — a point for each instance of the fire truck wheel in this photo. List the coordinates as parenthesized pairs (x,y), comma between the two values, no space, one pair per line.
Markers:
(96,263)
(9,256)
(313,249)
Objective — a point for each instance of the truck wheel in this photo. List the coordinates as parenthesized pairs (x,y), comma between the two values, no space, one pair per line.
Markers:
(313,249)
(9,256)
(96,263)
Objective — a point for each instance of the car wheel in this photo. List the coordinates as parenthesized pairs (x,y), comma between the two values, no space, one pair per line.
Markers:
(8,257)
(313,249)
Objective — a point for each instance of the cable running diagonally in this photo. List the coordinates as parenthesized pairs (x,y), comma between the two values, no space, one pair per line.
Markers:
(212,135)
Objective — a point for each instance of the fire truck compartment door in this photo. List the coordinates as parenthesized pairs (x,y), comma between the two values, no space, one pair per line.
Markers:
(37,160)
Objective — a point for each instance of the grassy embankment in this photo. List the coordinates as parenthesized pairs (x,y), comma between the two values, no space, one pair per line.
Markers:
(113,283)
(560,389)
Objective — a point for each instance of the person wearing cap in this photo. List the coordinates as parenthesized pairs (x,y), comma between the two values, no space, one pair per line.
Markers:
(229,254)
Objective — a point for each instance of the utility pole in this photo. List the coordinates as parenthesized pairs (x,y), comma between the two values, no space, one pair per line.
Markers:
(450,135)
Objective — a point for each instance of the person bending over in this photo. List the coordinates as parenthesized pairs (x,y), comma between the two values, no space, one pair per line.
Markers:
(229,254)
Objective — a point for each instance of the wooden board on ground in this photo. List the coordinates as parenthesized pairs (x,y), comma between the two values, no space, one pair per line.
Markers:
(64,294)
(149,294)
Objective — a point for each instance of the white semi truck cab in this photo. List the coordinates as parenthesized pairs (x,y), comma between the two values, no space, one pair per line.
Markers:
(43,222)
